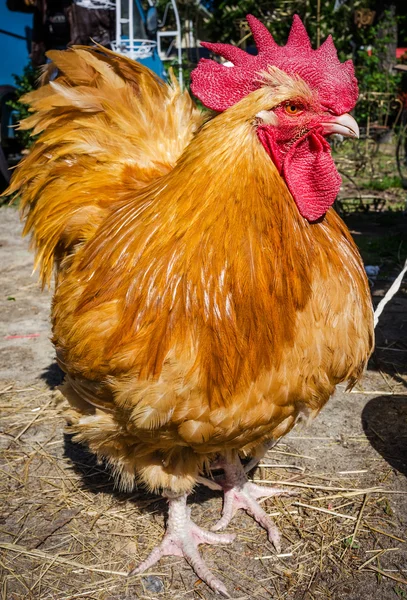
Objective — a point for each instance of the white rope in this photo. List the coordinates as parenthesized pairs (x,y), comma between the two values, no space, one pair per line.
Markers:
(394,288)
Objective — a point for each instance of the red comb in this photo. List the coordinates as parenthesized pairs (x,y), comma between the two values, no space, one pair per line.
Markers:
(219,87)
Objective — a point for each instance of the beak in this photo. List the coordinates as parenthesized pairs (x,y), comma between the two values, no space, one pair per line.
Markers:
(344,125)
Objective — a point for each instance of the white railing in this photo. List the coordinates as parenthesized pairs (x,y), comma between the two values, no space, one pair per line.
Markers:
(138,49)
(97,4)
(134,49)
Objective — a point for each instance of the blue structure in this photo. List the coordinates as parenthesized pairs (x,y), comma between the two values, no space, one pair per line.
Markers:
(15,33)
(14,28)
(138,34)
(138,37)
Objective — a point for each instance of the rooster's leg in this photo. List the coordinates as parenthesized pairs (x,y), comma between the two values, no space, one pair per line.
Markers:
(255,461)
(182,538)
(239,492)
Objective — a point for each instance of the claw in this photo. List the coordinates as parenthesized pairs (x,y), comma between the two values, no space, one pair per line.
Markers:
(239,493)
(182,539)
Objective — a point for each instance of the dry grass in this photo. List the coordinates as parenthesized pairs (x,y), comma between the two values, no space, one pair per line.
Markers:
(66,534)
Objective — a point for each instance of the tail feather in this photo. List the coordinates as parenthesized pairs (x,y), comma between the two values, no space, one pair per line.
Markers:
(106,127)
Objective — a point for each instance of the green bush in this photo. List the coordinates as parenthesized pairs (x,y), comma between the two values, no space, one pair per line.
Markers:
(24,83)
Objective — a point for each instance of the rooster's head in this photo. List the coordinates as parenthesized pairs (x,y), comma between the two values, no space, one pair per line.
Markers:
(307,96)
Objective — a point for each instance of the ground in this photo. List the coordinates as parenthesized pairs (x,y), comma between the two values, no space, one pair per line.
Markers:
(65,532)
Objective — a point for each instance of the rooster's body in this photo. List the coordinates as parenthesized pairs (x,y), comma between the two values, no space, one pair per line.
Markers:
(197,314)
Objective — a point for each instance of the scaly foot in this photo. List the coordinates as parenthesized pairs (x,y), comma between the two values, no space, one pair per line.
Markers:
(182,538)
(239,492)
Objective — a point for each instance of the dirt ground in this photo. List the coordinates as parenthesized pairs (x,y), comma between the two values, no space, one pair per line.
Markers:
(65,532)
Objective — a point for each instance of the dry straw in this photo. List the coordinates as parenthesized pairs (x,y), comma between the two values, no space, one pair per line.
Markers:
(66,534)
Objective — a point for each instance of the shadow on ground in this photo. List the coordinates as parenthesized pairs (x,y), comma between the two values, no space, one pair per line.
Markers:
(96,477)
(384,421)
(53,375)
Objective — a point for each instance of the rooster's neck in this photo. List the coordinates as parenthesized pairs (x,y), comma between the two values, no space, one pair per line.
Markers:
(226,179)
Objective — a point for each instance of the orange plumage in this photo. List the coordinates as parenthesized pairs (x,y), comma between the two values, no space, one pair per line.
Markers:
(196,312)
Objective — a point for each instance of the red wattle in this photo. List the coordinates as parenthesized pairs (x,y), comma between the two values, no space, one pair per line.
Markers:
(308,170)
(311,175)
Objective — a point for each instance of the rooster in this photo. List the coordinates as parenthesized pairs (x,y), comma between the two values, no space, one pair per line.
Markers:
(207,296)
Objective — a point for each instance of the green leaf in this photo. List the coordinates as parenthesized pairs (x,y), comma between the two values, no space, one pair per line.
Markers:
(349,544)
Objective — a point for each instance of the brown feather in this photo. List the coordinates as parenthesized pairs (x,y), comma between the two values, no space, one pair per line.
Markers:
(103,134)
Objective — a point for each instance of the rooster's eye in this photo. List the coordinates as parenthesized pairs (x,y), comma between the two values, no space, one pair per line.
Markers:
(292,109)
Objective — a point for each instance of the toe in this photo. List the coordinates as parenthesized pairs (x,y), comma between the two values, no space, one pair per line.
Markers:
(220,588)
(202,536)
(230,506)
(262,491)
(273,535)
(201,569)
(222,523)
